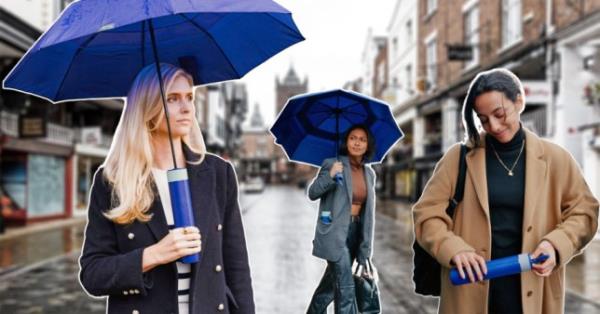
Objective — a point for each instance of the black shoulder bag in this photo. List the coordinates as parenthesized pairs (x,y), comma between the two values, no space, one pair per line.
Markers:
(427,271)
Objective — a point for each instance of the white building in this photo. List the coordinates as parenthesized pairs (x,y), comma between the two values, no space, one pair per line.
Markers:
(402,53)
(215,132)
(371,49)
(39,13)
(577,112)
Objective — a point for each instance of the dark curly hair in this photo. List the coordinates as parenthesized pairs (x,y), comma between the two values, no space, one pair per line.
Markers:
(370,143)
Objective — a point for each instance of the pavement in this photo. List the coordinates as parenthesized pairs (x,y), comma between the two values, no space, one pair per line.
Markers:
(38,268)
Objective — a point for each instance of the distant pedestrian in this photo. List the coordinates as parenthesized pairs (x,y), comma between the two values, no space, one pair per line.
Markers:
(522,194)
(344,230)
(131,249)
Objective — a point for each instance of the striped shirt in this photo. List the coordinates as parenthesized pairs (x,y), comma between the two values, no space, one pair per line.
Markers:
(184,271)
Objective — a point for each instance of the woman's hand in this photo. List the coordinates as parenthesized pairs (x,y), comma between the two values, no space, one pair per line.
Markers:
(336,168)
(471,263)
(544,269)
(178,243)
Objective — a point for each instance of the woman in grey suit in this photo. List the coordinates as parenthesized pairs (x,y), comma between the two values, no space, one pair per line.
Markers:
(344,229)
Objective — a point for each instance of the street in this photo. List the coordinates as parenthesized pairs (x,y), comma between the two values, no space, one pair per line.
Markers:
(279,227)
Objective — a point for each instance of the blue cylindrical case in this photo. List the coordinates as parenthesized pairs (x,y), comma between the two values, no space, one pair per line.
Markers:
(501,267)
(181,203)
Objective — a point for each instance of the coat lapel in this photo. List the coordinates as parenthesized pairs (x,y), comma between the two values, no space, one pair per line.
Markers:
(202,191)
(202,182)
(158,223)
(477,172)
(369,184)
(347,177)
(535,175)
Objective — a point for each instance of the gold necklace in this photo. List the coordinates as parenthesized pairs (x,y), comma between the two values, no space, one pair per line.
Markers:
(510,171)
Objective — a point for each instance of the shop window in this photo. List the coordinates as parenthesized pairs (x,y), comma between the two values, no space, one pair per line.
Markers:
(45,185)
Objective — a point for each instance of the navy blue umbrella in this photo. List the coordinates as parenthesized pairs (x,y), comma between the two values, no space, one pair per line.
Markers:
(96,48)
(310,126)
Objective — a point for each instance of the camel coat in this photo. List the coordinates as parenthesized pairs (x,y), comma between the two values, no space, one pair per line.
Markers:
(558,207)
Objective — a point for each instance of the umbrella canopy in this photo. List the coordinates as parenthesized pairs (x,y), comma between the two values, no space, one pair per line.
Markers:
(310,126)
(96,47)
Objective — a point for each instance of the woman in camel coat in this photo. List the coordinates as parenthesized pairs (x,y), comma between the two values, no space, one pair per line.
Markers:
(530,199)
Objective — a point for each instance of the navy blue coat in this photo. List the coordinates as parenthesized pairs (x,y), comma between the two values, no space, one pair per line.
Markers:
(111,259)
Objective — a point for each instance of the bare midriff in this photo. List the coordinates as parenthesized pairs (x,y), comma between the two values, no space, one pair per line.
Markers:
(355,210)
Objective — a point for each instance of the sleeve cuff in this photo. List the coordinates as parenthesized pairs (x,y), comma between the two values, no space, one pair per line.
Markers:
(132,276)
(562,244)
(449,248)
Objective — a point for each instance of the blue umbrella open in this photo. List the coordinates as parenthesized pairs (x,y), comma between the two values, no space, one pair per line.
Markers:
(310,125)
(96,48)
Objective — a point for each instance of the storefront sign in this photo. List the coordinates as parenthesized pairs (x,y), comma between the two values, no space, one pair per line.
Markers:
(32,126)
(460,52)
(536,92)
(91,136)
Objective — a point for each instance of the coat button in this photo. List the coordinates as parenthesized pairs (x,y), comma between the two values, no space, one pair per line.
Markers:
(219,227)
(221,307)
(218,268)
(135,312)
(131,236)
(136,291)
(529,293)
(131,291)
(529,228)
(125,292)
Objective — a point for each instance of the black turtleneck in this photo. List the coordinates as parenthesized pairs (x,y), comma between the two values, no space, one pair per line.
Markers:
(506,195)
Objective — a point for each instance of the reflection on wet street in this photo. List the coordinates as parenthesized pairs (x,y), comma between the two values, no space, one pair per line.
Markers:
(29,249)
(38,272)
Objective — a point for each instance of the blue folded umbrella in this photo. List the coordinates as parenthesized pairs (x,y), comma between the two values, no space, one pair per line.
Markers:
(310,126)
(96,47)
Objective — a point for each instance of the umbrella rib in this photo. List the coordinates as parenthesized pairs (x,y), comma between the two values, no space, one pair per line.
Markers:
(356,113)
(321,111)
(143,43)
(287,26)
(87,42)
(213,40)
(344,117)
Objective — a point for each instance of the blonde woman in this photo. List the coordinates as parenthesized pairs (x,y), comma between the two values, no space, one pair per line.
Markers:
(130,250)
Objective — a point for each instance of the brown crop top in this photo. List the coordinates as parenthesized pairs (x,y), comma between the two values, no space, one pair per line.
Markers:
(359,188)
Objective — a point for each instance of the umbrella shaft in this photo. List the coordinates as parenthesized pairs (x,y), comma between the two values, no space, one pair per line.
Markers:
(162,90)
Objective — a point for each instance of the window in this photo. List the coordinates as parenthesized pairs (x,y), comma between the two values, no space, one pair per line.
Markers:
(381,75)
(431,6)
(409,32)
(511,22)
(471,34)
(431,62)
(409,83)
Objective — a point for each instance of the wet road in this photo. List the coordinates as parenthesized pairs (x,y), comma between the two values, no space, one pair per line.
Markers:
(279,227)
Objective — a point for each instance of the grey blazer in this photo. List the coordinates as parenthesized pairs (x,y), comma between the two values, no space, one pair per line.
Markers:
(330,239)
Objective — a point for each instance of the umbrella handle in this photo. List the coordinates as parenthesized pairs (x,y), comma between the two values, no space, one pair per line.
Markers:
(339,178)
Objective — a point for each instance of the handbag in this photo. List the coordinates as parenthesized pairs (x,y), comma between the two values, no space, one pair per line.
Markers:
(367,292)
(427,271)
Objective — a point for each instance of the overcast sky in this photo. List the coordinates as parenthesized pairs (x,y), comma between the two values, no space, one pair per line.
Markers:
(335,32)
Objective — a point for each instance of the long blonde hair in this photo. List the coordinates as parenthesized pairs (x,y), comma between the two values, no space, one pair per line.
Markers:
(128,166)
